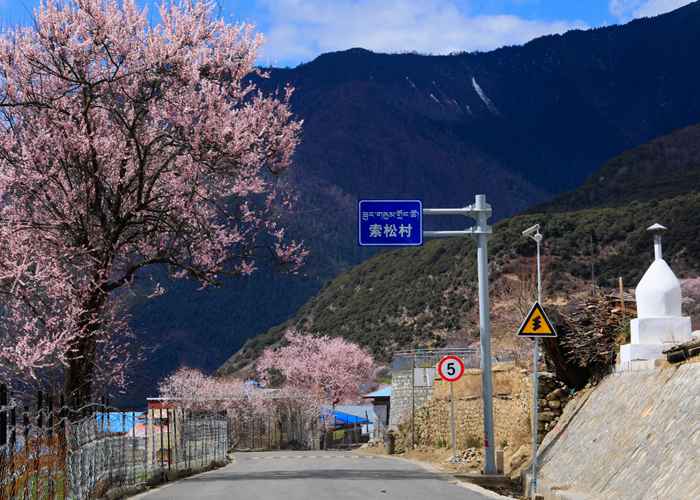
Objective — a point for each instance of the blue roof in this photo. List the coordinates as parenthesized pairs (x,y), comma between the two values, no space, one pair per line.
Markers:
(384,392)
(350,414)
(118,421)
(339,417)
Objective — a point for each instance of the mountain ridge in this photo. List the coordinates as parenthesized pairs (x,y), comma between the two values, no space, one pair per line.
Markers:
(638,174)
(563,105)
(434,293)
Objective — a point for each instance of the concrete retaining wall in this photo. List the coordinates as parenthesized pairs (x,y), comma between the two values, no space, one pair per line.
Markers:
(635,436)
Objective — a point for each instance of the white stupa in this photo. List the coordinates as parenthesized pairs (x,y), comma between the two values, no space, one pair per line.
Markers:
(660,323)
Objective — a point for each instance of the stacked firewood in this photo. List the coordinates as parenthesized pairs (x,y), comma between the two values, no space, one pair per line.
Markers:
(590,330)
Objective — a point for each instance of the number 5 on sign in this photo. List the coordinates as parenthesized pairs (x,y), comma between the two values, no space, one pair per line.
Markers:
(450,368)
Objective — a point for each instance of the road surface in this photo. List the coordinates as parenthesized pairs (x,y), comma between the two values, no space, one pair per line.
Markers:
(316,475)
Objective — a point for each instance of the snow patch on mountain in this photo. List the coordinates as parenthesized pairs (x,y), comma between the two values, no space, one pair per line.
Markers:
(482,95)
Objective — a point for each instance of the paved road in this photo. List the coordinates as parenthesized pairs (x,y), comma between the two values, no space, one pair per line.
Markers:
(316,475)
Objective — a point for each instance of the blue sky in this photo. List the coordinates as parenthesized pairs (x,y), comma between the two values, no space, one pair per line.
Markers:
(299,30)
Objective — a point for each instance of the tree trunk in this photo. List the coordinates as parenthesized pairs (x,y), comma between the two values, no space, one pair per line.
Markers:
(79,374)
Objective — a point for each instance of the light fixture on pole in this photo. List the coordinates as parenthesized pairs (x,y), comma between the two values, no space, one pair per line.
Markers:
(533,233)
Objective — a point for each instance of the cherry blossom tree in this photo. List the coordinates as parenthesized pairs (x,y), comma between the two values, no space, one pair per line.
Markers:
(244,403)
(332,369)
(125,145)
(195,390)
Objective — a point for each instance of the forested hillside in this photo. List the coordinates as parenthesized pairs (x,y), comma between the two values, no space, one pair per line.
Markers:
(664,168)
(425,296)
(521,124)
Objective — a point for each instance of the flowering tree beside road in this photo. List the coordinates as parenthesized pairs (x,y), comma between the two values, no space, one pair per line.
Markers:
(195,390)
(331,369)
(190,389)
(309,374)
(125,145)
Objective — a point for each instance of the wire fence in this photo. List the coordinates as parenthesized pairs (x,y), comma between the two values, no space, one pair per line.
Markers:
(48,450)
(279,429)
(284,428)
(429,358)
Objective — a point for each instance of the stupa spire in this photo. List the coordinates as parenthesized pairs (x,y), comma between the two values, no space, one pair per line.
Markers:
(657,230)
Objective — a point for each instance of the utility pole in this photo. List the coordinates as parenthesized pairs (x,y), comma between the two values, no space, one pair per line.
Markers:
(534,234)
(480,211)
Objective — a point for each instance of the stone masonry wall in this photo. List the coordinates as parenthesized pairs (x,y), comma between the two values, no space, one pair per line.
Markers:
(634,436)
(404,396)
(512,396)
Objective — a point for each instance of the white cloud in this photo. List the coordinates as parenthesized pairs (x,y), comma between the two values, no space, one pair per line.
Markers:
(625,10)
(301,29)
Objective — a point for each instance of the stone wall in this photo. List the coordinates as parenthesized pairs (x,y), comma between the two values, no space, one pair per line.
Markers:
(512,396)
(634,436)
(553,397)
(407,392)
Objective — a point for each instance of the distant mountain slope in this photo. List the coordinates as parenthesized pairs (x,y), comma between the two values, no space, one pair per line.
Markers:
(425,296)
(666,167)
(547,113)
(520,124)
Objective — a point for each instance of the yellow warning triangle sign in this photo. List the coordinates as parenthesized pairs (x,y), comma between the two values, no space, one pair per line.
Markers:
(536,324)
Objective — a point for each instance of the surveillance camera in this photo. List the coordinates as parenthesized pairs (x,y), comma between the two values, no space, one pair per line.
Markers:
(531,230)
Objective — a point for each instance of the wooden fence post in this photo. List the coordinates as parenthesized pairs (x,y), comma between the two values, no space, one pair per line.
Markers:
(40,426)
(39,410)
(62,429)
(170,441)
(13,428)
(49,428)
(51,446)
(174,438)
(3,415)
(25,424)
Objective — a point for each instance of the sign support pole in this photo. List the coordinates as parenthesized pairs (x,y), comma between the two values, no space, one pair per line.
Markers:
(452,420)
(537,236)
(485,337)
(480,211)
(451,368)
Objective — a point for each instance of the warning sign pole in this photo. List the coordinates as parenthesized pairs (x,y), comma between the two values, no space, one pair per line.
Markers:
(534,233)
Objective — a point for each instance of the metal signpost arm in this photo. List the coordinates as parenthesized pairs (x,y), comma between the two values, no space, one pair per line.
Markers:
(480,211)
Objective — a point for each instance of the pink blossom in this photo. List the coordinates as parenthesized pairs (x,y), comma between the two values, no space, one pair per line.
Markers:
(191,389)
(332,369)
(123,145)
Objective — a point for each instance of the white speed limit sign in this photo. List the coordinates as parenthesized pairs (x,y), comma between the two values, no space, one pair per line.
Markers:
(450,368)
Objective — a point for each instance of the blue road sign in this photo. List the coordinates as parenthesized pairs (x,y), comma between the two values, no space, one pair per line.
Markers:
(390,223)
